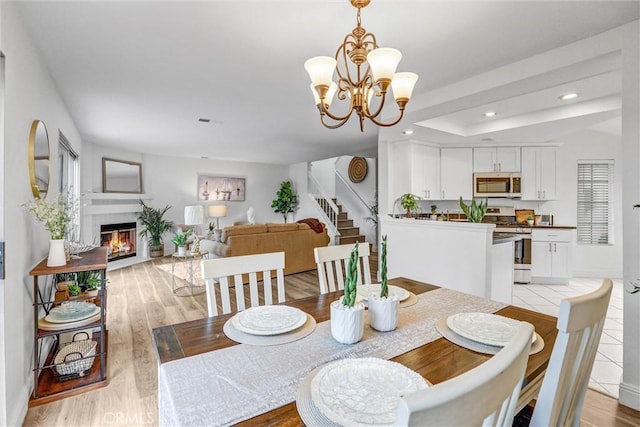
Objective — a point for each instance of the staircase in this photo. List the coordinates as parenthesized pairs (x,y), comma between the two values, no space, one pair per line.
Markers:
(348,233)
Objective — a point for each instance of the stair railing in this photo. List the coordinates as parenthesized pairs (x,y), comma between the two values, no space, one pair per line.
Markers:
(328,209)
(355,193)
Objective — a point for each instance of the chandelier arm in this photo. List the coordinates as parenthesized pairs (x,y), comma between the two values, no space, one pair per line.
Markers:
(324,110)
(368,113)
(388,124)
(336,126)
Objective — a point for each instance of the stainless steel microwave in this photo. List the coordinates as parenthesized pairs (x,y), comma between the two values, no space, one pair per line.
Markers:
(496,184)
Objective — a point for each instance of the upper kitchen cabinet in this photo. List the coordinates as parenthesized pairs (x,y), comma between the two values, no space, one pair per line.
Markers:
(416,169)
(539,170)
(496,159)
(456,173)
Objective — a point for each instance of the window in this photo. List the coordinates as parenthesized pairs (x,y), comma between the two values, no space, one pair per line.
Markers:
(594,201)
(68,179)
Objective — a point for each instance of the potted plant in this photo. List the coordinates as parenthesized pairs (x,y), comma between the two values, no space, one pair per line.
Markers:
(409,203)
(154,226)
(434,212)
(286,200)
(383,309)
(474,212)
(74,290)
(347,316)
(180,240)
(530,220)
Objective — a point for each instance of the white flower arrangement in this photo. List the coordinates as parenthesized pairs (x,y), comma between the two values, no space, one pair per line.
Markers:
(55,215)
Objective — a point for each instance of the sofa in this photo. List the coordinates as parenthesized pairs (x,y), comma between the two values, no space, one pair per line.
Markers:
(296,240)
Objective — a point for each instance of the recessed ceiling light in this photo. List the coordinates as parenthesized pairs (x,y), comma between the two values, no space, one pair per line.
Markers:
(204,157)
(489,114)
(407,132)
(568,96)
(488,139)
(204,120)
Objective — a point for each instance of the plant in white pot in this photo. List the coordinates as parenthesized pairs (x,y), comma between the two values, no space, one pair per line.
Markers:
(347,316)
(180,240)
(383,308)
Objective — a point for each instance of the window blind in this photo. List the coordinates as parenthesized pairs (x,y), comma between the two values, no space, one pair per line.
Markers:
(594,190)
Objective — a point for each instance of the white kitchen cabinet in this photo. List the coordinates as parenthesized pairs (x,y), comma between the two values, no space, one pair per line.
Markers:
(539,171)
(551,255)
(496,159)
(456,173)
(415,169)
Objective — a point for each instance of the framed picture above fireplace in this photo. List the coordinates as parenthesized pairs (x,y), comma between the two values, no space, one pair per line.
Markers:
(121,176)
(219,188)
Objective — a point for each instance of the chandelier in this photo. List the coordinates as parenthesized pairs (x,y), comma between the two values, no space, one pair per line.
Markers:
(356,83)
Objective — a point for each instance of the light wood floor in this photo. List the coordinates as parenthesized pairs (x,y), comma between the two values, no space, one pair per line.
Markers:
(140,299)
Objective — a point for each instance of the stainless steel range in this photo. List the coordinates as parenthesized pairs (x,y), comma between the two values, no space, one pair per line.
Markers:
(504,217)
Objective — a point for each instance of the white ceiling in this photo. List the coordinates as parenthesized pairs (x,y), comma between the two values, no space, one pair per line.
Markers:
(139,75)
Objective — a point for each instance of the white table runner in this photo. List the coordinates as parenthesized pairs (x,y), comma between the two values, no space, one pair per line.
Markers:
(230,385)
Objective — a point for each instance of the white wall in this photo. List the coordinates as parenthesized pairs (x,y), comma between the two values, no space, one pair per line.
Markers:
(30,94)
(173,181)
(324,172)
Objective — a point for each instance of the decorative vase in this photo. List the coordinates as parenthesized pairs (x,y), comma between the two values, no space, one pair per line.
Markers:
(347,323)
(56,256)
(383,312)
(182,250)
(530,222)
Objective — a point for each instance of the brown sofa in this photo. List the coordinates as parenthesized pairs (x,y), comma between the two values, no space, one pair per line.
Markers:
(297,241)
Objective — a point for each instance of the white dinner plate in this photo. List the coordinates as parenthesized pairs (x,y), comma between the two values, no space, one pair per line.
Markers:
(72,311)
(363,291)
(362,391)
(269,320)
(484,328)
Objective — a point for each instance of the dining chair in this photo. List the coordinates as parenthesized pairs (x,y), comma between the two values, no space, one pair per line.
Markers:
(220,271)
(565,382)
(486,395)
(333,261)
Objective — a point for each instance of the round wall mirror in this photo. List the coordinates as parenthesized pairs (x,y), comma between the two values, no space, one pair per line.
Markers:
(39,162)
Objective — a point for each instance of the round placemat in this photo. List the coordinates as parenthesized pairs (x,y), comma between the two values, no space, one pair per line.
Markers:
(443,328)
(357,169)
(231,332)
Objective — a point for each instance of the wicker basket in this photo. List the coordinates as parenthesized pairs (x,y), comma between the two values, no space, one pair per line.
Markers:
(68,359)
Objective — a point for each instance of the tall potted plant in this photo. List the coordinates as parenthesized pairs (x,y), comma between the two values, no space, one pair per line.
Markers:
(286,200)
(383,308)
(154,226)
(474,212)
(347,316)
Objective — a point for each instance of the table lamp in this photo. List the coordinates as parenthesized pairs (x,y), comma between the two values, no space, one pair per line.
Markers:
(194,215)
(217,212)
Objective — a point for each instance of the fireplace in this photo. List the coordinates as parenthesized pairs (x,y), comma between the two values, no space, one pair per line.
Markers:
(120,240)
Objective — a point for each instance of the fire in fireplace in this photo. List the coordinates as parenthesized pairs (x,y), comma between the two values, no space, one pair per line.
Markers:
(120,240)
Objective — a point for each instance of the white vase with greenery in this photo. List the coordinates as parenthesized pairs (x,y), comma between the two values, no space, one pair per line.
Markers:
(56,217)
(347,316)
(383,308)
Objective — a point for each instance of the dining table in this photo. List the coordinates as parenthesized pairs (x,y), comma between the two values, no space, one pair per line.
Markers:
(189,344)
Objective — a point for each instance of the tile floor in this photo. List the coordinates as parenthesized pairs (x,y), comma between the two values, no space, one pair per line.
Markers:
(607,368)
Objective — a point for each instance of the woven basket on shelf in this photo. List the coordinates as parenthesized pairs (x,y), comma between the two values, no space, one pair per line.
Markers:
(68,359)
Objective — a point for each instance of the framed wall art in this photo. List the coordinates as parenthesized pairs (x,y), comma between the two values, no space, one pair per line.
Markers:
(220,188)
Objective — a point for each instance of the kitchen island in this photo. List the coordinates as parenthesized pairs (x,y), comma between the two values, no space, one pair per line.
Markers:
(457,255)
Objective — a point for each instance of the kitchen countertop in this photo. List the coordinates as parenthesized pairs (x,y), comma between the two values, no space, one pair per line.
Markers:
(505,237)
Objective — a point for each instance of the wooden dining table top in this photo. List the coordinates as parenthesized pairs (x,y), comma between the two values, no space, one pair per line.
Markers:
(436,361)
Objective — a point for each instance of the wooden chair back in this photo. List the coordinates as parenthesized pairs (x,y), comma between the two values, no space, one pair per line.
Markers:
(333,262)
(486,395)
(565,382)
(223,270)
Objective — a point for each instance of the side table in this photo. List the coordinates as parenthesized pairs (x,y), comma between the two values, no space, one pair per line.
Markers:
(186,263)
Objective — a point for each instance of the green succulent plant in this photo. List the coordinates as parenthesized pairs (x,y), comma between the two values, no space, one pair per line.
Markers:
(474,212)
(181,238)
(384,288)
(351,281)
(74,289)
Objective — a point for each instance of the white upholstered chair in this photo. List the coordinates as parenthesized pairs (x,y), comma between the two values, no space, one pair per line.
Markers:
(565,382)
(485,395)
(332,262)
(224,269)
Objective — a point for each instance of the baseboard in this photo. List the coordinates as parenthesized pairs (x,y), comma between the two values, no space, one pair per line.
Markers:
(17,413)
(629,395)
(597,274)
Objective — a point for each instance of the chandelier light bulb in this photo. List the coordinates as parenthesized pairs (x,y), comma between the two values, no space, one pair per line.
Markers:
(383,62)
(320,69)
(403,84)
